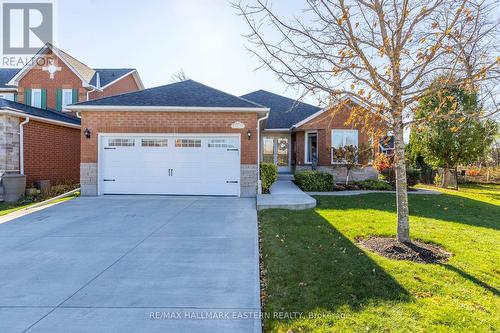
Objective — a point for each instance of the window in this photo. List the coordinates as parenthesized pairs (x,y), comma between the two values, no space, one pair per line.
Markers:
(188,143)
(67,97)
(386,145)
(220,143)
(7,96)
(311,147)
(155,142)
(121,142)
(36,98)
(341,138)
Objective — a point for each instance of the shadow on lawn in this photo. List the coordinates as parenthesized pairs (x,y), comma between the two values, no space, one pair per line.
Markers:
(471,278)
(444,207)
(311,266)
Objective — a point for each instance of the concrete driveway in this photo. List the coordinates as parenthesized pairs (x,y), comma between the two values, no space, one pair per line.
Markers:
(132,264)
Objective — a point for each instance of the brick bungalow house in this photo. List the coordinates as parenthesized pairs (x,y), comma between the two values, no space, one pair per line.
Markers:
(296,133)
(187,138)
(38,135)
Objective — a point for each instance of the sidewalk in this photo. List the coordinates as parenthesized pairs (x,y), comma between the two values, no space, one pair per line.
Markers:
(285,194)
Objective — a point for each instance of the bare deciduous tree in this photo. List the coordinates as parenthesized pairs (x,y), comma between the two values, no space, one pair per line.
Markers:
(179,76)
(381,53)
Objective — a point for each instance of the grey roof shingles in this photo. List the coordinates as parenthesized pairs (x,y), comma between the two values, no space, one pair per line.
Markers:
(108,75)
(285,112)
(32,111)
(187,93)
(6,74)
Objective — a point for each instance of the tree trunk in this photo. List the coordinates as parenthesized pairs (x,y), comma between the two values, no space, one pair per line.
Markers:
(446,178)
(347,177)
(456,178)
(401,186)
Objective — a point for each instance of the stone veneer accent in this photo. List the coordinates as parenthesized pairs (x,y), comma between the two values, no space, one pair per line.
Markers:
(248,180)
(339,173)
(9,143)
(88,179)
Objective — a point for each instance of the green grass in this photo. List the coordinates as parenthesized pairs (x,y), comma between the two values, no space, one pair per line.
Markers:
(7,208)
(314,267)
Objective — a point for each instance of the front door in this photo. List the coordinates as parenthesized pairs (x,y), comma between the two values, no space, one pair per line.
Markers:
(276,150)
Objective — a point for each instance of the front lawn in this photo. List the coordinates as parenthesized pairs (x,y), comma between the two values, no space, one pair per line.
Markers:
(9,207)
(313,266)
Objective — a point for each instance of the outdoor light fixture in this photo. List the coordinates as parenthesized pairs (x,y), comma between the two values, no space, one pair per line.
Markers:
(249,134)
(87,133)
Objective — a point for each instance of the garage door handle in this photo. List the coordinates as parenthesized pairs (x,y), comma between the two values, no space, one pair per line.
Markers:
(109,147)
(232,149)
(232,182)
(108,180)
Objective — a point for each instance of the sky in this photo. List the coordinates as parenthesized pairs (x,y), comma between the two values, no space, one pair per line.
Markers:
(161,37)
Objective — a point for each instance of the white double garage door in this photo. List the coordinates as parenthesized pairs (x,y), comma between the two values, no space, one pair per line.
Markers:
(199,164)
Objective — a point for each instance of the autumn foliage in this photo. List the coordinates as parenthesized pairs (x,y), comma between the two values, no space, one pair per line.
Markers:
(382,162)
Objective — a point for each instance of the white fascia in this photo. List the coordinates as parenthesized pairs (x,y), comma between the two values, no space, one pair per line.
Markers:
(136,78)
(14,112)
(105,108)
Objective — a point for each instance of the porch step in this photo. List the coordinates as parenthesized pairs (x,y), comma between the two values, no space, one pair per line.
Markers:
(286,176)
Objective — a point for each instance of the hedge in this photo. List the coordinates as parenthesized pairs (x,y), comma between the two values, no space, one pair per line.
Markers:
(314,181)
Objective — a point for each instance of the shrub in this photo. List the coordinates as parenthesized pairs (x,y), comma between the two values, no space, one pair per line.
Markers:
(389,175)
(438,180)
(268,175)
(314,181)
(413,176)
(373,184)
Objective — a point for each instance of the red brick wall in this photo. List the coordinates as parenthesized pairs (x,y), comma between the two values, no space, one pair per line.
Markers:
(37,78)
(127,84)
(168,122)
(51,152)
(324,125)
(65,79)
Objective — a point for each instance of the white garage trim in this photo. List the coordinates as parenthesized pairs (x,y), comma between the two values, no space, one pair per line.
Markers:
(182,159)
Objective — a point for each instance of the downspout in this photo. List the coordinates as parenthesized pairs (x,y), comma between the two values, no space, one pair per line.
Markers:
(21,144)
(90,91)
(88,98)
(259,183)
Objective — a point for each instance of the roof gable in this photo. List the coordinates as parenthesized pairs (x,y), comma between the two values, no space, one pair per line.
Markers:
(79,67)
(284,112)
(82,71)
(87,75)
(109,75)
(187,93)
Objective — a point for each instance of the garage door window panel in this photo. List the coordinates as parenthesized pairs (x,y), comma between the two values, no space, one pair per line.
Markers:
(121,142)
(221,143)
(188,143)
(155,142)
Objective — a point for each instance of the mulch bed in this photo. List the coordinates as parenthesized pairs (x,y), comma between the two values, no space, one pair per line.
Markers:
(415,251)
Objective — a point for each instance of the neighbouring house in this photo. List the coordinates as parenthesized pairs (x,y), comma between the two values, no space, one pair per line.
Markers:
(186,138)
(298,134)
(39,137)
